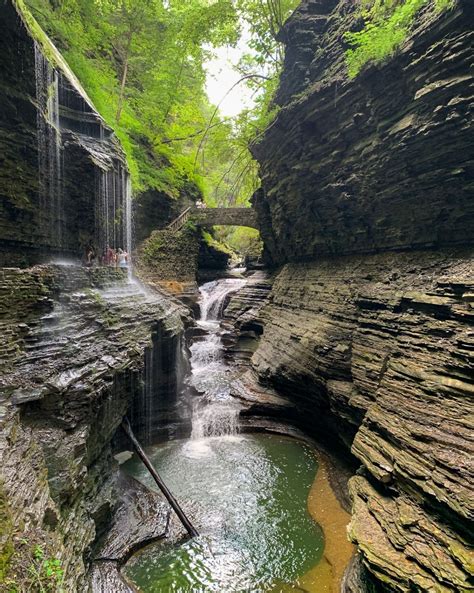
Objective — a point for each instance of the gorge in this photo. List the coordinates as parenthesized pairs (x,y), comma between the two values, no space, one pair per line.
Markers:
(332,388)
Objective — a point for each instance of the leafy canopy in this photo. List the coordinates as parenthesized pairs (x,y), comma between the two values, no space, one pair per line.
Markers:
(141,61)
(143,64)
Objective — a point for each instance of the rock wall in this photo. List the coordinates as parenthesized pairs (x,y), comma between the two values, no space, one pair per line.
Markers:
(154,210)
(366,203)
(181,257)
(76,344)
(383,161)
(376,353)
(170,255)
(242,321)
(64,181)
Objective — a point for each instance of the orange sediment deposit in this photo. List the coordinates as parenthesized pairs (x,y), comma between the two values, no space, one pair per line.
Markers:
(172,286)
(326,510)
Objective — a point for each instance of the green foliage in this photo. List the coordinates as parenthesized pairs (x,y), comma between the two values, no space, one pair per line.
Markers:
(264,19)
(152,246)
(216,244)
(33,570)
(46,573)
(6,526)
(190,226)
(244,240)
(229,172)
(141,62)
(387,25)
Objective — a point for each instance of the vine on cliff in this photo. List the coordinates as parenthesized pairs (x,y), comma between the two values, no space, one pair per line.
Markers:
(387,25)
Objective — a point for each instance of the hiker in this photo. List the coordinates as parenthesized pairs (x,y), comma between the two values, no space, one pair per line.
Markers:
(122,258)
(90,255)
(109,258)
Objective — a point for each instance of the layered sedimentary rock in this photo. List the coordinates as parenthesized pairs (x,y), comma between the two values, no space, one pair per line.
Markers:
(377,353)
(242,320)
(64,182)
(366,201)
(177,259)
(80,347)
(170,255)
(77,346)
(141,517)
(154,210)
(383,161)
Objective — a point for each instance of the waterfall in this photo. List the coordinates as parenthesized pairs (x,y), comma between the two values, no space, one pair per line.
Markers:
(65,118)
(50,163)
(214,420)
(155,412)
(127,219)
(214,413)
(213,297)
(114,209)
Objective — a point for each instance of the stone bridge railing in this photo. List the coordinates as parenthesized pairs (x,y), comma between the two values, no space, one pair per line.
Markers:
(216,216)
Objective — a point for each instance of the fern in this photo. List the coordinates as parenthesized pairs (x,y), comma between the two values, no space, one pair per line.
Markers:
(388,24)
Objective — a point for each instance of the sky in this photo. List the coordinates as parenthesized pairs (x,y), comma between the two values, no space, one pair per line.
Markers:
(221,76)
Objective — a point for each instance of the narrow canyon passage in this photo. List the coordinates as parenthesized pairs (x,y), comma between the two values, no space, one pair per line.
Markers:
(243,229)
(247,494)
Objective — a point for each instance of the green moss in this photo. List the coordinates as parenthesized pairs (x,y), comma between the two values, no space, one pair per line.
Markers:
(37,32)
(6,536)
(387,25)
(216,244)
(48,48)
(152,246)
(96,297)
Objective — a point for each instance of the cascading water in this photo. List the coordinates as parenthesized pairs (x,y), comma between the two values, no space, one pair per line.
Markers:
(215,420)
(127,219)
(246,494)
(114,209)
(49,148)
(61,111)
(214,413)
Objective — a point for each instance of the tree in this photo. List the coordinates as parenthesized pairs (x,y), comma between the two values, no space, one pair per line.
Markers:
(141,61)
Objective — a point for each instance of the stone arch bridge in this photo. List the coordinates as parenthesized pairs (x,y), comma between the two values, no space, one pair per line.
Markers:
(216,217)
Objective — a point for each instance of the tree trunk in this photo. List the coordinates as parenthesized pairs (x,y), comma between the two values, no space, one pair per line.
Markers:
(123,82)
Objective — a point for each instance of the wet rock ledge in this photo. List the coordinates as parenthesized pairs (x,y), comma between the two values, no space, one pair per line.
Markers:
(74,345)
(141,517)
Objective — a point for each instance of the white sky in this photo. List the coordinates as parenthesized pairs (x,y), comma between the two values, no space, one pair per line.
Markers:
(221,76)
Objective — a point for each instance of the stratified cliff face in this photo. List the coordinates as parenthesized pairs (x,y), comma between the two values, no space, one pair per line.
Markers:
(367,201)
(384,161)
(376,353)
(80,348)
(64,180)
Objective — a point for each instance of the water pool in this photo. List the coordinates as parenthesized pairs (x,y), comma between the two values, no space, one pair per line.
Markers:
(247,496)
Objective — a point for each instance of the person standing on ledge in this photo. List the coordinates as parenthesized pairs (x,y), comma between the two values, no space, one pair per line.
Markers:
(90,255)
(109,256)
(122,258)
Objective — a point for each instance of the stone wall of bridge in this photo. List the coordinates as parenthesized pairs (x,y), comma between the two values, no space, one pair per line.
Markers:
(225,217)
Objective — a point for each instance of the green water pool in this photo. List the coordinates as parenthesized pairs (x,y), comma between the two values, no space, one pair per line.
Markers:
(247,496)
